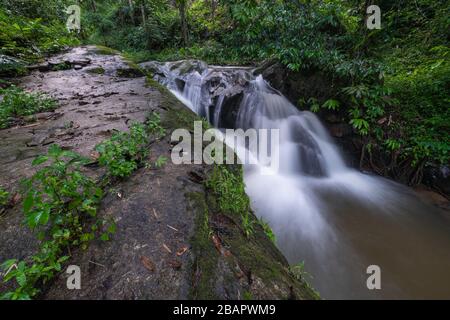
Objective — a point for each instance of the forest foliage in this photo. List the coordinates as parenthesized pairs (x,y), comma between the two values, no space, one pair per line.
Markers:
(392,83)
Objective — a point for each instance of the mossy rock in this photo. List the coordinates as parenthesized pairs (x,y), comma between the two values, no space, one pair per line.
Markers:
(105,51)
(11,67)
(96,70)
(130,73)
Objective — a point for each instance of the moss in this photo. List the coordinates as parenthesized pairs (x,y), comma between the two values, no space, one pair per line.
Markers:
(61,66)
(177,115)
(105,51)
(206,257)
(129,73)
(97,70)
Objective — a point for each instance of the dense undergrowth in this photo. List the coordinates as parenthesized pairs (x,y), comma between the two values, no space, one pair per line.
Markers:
(17,104)
(30,30)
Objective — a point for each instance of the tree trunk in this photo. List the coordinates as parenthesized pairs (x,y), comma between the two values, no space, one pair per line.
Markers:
(144,19)
(130,3)
(213,9)
(184,28)
(94,6)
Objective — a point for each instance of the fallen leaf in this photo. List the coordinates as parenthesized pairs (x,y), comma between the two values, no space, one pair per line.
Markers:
(217,243)
(95,155)
(182,251)
(148,264)
(16,199)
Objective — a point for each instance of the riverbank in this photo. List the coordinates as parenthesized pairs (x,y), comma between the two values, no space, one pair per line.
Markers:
(171,242)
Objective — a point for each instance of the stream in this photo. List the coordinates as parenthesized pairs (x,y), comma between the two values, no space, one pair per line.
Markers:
(336,220)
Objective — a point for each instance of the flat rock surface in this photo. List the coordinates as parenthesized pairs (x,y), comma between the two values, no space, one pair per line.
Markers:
(91,107)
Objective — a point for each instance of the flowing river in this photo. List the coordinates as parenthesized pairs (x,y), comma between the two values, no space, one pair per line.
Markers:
(337,220)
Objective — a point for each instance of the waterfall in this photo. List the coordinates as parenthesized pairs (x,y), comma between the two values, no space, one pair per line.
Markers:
(336,219)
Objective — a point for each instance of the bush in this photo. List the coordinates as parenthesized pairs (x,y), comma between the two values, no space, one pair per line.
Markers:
(59,203)
(30,38)
(18,103)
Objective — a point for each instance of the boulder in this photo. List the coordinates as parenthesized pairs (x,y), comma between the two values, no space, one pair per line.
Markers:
(11,67)
(438,177)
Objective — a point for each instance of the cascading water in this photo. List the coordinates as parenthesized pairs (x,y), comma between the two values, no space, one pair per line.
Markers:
(335,219)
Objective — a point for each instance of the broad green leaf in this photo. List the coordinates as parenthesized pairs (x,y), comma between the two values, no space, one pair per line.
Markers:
(39,160)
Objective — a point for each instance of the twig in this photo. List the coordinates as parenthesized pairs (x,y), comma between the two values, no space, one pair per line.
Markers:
(98,264)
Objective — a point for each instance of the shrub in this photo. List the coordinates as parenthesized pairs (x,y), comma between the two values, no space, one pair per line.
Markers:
(18,103)
(60,203)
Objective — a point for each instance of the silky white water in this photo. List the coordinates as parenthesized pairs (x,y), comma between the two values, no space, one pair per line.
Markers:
(334,218)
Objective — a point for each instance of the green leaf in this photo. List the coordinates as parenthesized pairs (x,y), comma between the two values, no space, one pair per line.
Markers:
(55,151)
(7,264)
(104,237)
(331,104)
(43,218)
(39,160)
(28,202)
(21,279)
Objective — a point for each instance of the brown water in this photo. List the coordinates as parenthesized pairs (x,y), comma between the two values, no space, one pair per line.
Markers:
(407,239)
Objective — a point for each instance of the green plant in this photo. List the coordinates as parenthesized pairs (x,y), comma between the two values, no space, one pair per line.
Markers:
(18,103)
(4,197)
(268,230)
(247,295)
(124,151)
(161,161)
(331,104)
(298,271)
(314,104)
(62,66)
(31,36)
(230,189)
(154,125)
(247,223)
(60,204)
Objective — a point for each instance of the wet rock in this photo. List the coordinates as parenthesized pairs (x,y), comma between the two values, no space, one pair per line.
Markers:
(230,109)
(129,73)
(438,177)
(296,85)
(10,67)
(153,67)
(96,70)
(42,67)
(340,130)
(188,66)
(180,84)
